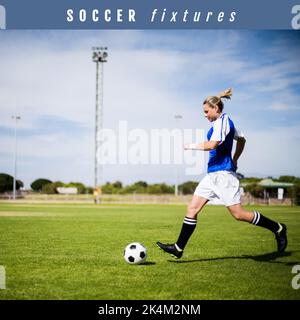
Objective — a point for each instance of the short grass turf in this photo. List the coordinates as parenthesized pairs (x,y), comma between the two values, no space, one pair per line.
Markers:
(75,251)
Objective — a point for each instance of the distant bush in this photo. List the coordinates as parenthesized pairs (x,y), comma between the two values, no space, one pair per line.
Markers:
(289,179)
(188,187)
(252,180)
(140,187)
(7,183)
(255,190)
(160,188)
(294,193)
(81,188)
(50,188)
(38,184)
(112,188)
(89,190)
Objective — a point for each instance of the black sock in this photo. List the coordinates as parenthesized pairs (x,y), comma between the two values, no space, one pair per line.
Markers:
(265,222)
(187,229)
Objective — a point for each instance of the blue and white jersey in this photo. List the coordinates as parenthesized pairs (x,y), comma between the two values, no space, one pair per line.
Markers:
(223,131)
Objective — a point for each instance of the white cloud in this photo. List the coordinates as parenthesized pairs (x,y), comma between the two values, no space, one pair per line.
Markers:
(280,107)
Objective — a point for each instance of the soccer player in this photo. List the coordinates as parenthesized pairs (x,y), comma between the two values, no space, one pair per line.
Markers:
(221,182)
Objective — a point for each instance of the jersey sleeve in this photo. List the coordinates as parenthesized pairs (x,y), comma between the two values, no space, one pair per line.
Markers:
(220,130)
(238,134)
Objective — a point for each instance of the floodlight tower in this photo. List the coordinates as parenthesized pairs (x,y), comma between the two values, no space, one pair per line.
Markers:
(99,56)
(177,118)
(16,118)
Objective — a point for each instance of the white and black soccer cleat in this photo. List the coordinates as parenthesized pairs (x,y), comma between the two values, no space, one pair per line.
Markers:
(170,249)
(281,238)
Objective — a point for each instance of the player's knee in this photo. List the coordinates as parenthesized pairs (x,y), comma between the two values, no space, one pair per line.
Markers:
(238,215)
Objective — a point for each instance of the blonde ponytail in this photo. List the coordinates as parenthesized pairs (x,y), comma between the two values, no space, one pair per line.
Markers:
(225,94)
(216,101)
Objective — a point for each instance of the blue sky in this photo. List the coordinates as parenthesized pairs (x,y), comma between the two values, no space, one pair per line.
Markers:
(48,78)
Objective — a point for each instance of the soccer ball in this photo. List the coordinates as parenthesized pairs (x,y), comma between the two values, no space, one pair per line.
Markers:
(135,253)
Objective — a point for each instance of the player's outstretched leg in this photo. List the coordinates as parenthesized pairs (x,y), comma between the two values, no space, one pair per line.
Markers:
(187,229)
(256,218)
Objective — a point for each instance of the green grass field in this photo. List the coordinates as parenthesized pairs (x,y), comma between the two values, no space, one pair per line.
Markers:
(75,251)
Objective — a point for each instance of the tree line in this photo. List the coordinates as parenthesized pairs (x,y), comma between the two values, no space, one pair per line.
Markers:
(46,186)
(43,185)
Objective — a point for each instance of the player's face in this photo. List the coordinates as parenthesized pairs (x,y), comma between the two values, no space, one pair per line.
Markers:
(210,113)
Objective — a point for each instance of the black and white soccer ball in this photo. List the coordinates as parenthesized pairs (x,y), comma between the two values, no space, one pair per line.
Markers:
(135,253)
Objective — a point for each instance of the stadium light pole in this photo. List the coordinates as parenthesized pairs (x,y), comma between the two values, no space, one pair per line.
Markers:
(16,118)
(177,117)
(99,57)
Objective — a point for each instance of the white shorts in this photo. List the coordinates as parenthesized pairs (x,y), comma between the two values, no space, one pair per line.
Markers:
(221,185)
